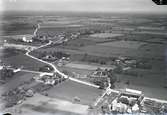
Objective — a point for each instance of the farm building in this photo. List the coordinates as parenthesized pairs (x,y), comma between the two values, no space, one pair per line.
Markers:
(27,39)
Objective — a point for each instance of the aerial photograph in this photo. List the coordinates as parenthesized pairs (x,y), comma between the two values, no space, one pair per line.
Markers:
(83,57)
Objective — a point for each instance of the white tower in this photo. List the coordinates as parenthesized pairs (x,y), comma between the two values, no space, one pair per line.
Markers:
(36,30)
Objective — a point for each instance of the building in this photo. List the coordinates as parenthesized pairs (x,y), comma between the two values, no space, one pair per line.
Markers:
(1,67)
(128,101)
(99,73)
(49,78)
(27,39)
(132,101)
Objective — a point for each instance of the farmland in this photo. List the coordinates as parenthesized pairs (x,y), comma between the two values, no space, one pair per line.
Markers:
(124,44)
(42,105)
(142,43)
(68,90)
(79,65)
(104,35)
(120,37)
(136,44)
(17,58)
(19,78)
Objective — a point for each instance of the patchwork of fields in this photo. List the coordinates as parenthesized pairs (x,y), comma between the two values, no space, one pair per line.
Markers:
(100,40)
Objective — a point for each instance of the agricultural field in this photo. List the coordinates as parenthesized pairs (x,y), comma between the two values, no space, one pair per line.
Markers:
(9,52)
(105,35)
(76,44)
(101,40)
(14,26)
(81,69)
(81,65)
(148,44)
(43,105)
(23,61)
(124,44)
(127,49)
(68,90)
(19,78)
(75,71)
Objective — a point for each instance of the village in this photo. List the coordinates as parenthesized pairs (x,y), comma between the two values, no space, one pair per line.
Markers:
(101,68)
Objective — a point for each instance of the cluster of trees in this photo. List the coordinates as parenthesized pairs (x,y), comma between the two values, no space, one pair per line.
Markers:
(112,77)
(13,96)
(103,82)
(6,74)
(57,54)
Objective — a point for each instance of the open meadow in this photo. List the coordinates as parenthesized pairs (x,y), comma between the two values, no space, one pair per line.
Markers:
(69,90)
(43,105)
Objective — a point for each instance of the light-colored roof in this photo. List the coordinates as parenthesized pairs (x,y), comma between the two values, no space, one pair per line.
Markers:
(27,37)
(133,91)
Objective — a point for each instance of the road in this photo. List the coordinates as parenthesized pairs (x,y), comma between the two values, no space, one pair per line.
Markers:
(54,67)
(108,89)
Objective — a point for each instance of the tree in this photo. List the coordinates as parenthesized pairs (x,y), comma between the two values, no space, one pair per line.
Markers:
(6,73)
(112,77)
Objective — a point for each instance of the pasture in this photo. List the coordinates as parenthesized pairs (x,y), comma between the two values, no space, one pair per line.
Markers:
(91,67)
(24,61)
(43,105)
(68,90)
(124,44)
(105,35)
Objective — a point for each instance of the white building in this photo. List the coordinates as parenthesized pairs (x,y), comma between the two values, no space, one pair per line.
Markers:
(27,39)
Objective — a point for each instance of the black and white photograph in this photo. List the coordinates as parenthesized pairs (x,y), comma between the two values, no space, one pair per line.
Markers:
(83,57)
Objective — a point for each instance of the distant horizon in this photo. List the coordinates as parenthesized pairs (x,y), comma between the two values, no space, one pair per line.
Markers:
(81,12)
(92,6)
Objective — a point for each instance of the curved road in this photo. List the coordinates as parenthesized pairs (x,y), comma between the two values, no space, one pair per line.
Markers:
(54,67)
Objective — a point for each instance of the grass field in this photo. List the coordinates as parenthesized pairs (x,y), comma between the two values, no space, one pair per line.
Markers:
(79,65)
(102,39)
(68,90)
(104,35)
(80,72)
(76,44)
(82,69)
(124,44)
(127,50)
(8,52)
(17,79)
(42,105)
(23,60)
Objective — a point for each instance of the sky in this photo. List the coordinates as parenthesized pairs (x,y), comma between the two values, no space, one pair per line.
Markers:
(82,5)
